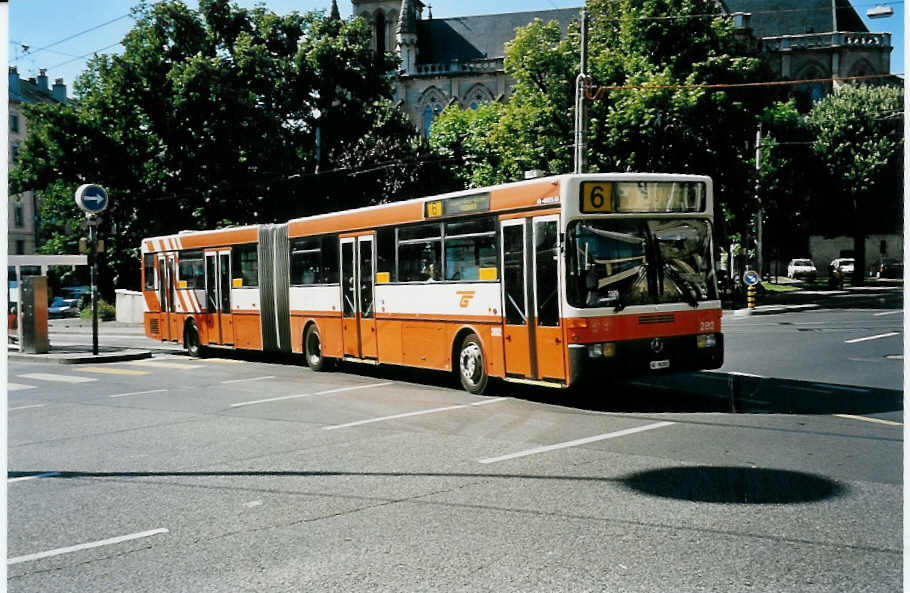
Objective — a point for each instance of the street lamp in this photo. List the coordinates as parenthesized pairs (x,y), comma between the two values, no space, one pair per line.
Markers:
(879,12)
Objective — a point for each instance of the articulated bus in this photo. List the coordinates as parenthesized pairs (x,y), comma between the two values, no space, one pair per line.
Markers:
(544,281)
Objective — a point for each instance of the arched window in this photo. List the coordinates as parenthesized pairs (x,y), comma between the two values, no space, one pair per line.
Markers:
(379,29)
(433,102)
(476,95)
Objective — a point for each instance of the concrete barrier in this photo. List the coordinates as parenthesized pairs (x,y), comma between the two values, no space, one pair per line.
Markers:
(130,305)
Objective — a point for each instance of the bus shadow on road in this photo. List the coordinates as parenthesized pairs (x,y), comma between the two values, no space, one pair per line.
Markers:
(733,485)
(728,393)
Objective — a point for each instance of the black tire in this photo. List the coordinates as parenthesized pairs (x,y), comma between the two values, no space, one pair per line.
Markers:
(471,365)
(191,341)
(312,348)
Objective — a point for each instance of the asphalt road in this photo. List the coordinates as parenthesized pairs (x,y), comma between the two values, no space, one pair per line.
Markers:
(781,472)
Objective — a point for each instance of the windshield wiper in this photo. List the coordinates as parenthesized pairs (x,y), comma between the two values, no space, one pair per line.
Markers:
(685,288)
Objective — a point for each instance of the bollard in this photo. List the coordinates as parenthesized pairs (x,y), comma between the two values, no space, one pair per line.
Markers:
(750,296)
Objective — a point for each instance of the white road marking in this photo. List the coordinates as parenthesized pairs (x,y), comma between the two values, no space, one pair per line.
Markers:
(409,414)
(57,378)
(26,407)
(868,419)
(86,546)
(326,392)
(138,393)
(576,442)
(888,313)
(225,360)
(841,387)
(18,386)
(252,504)
(35,477)
(878,337)
(250,379)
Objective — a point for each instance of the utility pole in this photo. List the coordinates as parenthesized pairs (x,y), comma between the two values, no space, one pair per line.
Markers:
(580,81)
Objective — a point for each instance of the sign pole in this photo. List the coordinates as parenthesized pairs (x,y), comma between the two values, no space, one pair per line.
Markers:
(92,199)
(93,256)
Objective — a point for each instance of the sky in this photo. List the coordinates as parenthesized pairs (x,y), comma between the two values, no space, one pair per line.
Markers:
(61,35)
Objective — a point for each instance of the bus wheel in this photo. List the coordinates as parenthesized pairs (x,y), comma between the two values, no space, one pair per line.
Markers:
(313,349)
(472,369)
(191,341)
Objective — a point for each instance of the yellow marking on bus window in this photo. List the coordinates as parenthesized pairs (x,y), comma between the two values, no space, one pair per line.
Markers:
(237,283)
(181,284)
(487,274)
(111,371)
(382,277)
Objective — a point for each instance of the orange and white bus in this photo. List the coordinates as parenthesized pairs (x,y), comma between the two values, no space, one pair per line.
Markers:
(543,281)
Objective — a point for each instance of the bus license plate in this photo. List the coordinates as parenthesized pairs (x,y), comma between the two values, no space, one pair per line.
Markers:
(660,364)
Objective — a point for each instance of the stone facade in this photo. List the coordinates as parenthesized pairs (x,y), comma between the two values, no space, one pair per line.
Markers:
(23,208)
(460,60)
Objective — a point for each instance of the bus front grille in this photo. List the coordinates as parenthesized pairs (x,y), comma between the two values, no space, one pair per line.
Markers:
(659,318)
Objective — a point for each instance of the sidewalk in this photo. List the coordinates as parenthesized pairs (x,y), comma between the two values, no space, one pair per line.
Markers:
(82,353)
(882,293)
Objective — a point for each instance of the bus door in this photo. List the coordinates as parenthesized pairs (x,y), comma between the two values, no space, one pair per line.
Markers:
(166,294)
(219,324)
(548,324)
(358,318)
(532,328)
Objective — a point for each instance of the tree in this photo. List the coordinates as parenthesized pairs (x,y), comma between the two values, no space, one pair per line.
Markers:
(219,116)
(662,119)
(859,141)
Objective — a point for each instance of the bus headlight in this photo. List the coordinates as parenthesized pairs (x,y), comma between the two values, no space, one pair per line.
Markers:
(604,350)
(706,340)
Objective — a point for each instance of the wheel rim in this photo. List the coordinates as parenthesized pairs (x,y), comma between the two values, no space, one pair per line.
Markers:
(471,363)
(313,348)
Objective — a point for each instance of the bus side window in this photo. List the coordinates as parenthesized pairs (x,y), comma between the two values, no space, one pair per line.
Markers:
(469,247)
(420,253)
(245,265)
(149,267)
(306,255)
(191,270)
(330,261)
(385,253)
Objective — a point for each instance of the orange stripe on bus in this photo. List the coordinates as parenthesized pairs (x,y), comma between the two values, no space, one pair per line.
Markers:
(352,221)
(523,196)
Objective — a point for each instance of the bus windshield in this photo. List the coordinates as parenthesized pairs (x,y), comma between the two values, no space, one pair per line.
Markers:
(619,263)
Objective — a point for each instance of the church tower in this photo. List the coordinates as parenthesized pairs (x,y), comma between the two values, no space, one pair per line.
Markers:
(382,17)
(406,36)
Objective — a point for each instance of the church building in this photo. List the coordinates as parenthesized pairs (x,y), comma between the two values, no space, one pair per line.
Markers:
(460,59)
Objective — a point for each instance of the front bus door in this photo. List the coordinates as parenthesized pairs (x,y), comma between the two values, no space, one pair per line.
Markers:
(358,319)
(548,325)
(165,295)
(532,329)
(218,297)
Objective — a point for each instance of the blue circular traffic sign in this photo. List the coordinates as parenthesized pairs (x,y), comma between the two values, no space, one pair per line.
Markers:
(91,198)
(751,277)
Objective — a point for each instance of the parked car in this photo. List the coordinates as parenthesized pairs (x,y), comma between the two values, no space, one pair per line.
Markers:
(839,269)
(61,307)
(889,268)
(801,268)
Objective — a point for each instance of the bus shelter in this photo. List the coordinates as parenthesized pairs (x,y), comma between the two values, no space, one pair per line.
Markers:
(19,263)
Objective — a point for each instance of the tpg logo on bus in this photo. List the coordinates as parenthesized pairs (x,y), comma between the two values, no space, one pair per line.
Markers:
(91,198)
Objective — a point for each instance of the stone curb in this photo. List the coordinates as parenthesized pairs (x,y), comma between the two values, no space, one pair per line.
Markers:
(80,357)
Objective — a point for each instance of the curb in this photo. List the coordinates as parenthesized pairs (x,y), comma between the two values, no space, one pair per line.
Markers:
(80,357)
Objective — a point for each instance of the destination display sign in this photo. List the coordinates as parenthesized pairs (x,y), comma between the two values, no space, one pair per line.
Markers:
(605,197)
(460,205)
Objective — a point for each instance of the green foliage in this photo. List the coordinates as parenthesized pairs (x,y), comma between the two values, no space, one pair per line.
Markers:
(631,43)
(859,144)
(106,311)
(215,116)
